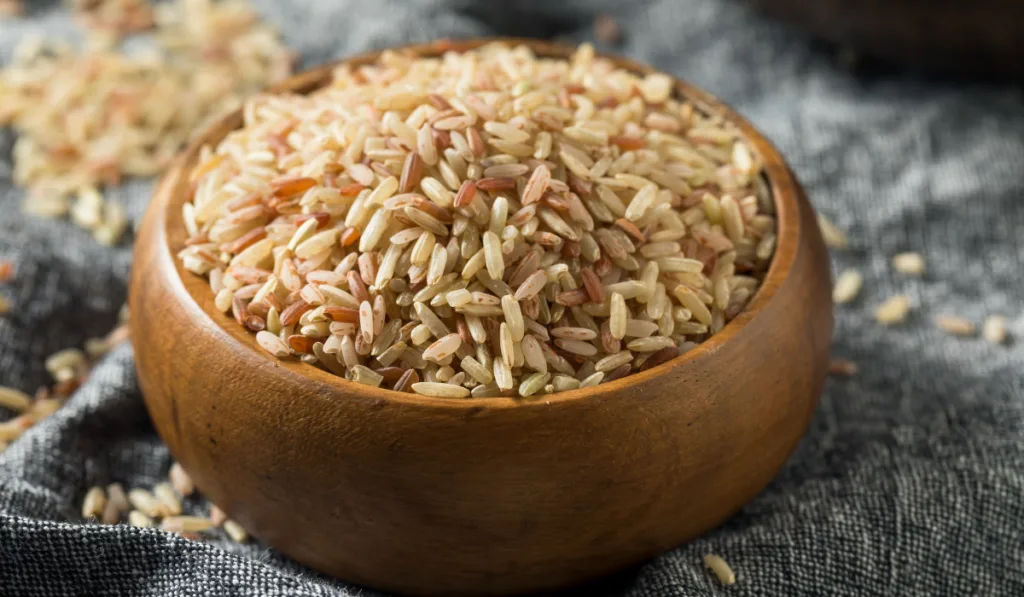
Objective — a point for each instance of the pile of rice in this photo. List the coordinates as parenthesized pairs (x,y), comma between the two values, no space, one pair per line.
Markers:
(86,117)
(486,223)
(115,17)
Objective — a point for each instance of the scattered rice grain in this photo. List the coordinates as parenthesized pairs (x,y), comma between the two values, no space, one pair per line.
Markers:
(186,524)
(911,264)
(720,568)
(847,286)
(834,237)
(94,503)
(235,531)
(181,480)
(14,399)
(994,329)
(165,493)
(958,326)
(139,519)
(842,367)
(893,310)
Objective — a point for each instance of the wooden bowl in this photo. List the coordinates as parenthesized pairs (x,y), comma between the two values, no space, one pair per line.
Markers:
(425,495)
(974,37)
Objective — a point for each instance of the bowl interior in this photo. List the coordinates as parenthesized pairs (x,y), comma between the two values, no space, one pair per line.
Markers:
(194,289)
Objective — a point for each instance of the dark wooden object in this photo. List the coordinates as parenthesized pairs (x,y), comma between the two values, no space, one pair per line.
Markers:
(972,37)
(482,496)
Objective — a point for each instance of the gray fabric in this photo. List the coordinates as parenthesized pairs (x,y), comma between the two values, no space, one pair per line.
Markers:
(911,478)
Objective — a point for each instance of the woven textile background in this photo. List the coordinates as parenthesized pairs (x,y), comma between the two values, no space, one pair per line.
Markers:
(911,479)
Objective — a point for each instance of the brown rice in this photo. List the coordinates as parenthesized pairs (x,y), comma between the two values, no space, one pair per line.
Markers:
(161,504)
(833,236)
(893,310)
(186,524)
(6,271)
(167,496)
(958,326)
(488,218)
(235,531)
(94,503)
(847,287)
(138,519)
(842,367)
(88,117)
(720,568)
(994,329)
(909,263)
(114,17)
(68,368)
(117,504)
(144,501)
(14,399)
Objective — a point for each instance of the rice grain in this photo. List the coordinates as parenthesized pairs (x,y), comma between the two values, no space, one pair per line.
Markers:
(235,531)
(94,503)
(166,495)
(117,503)
(834,237)
(911,264)
(720,568)
(139,519)
(145,502)
(440,390)
(893,310)
(14,399)
(994,329)
(533,384)
(181,480)
(957,326)
(847,287)
(652,344)
(186,524)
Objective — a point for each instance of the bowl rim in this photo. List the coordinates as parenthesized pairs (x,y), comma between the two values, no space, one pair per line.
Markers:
(187,286)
